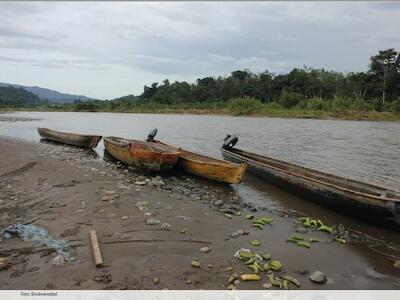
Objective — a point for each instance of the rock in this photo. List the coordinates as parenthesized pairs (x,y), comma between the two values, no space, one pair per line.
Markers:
(156,280)
(318,277)
(124,218)
(110,192)
(165,226)
(140,183)
(205,249)
(242,232)
(397,264)
(105,198)
(234,234)
(301,230)
(1,201)
(152,221)
(218,203)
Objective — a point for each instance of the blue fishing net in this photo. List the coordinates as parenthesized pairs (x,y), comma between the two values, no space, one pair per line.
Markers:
(38,234)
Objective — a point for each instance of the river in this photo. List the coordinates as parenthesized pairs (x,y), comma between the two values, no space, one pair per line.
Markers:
(362,150)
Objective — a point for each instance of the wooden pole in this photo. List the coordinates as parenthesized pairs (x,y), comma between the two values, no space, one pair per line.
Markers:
(96,249)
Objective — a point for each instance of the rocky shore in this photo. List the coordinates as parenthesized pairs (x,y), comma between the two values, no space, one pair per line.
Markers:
(168,231)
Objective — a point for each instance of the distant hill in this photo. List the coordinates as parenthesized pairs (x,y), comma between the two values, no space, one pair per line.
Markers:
(50,95)
(18,97)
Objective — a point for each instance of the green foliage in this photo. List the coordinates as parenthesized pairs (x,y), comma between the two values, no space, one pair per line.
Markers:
(244,106)
(396,105)
(317,104)
(290,99)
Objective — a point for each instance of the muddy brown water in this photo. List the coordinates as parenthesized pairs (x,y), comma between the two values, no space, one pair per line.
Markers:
(362,150)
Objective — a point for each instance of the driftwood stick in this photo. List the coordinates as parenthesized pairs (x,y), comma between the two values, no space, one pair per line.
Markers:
(96,249)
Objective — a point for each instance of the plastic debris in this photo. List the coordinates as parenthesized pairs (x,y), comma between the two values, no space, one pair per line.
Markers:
(38,234)
(58,260)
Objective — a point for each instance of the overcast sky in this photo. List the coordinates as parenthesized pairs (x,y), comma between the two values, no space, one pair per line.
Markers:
(106,50)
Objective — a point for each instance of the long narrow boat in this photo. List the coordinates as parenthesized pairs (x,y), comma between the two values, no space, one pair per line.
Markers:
(205,166)
(365,201)
(80,140)
(144,155)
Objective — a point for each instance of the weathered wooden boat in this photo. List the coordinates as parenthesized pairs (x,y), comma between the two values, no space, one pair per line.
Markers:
(205,166)
(144,155)
(365,201)
(80,140)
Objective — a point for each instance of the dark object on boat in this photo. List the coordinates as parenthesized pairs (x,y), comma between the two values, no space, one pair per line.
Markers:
(207,167)
(364,201)
(80,140)
(152,134)
(144,155)
(230,141)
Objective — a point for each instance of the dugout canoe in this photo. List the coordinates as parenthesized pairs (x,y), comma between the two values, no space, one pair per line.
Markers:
(364,201)
(144,155)
(80,140)
(205,166)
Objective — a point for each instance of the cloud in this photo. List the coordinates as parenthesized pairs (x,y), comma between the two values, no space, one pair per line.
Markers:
(114,48)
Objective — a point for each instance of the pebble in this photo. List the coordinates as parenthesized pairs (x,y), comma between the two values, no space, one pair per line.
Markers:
(152,221)
(165,226)
(110,192)
(124,218)
(234,234)
(1,201)
(140,182)
(105,198)
(218,203)
(397,264)
(318,277)
(301,230)
(205,249)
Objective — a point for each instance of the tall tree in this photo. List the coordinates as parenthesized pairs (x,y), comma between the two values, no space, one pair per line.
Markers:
(385,65)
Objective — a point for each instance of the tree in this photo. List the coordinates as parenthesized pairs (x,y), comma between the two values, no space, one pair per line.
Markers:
(385,66)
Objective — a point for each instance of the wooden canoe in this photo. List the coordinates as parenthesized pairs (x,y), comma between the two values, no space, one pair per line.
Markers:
(80,140)
(365,201)
(144,155)
(208,167)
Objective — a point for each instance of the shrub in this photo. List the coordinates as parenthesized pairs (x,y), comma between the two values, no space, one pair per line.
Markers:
(318,104)
(244,106)
(396,105)
(290,99)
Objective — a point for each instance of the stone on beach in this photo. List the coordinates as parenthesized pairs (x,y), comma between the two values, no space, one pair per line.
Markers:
(205,249)
(140,182)
(124,218)
(152,221)
(318,277)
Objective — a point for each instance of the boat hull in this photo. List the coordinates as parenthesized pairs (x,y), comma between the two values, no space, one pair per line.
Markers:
(208,167)
(361,205)
(138,155)
(79,140)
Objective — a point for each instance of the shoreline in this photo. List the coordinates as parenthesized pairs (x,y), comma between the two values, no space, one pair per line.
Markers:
(289,114)
(67,191)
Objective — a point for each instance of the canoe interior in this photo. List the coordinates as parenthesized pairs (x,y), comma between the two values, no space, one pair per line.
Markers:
(142,145)
(199,158)
(144,155)
(358,186)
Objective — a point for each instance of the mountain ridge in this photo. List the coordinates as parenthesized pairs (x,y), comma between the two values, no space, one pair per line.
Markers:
(49,94)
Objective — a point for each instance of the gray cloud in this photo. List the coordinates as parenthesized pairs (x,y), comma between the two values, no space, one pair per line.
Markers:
(116,48)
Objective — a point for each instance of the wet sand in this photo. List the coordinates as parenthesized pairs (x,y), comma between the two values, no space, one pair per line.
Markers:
(69,191)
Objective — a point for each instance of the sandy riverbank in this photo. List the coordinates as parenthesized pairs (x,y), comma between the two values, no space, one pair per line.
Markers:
(68,191)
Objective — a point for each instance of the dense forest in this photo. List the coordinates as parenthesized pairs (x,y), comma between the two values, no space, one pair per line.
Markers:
(243,92)
(18,97)
(307,89)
